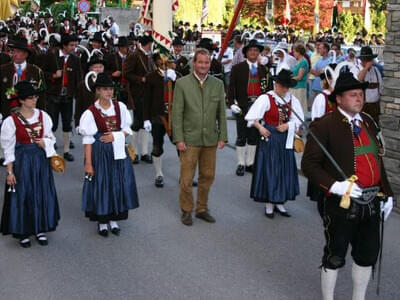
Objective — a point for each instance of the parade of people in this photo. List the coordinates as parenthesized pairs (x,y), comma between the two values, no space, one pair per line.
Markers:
(203,110)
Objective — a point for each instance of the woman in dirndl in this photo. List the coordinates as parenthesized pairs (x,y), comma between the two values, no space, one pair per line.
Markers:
(275,178)
(30,201)
(109,189)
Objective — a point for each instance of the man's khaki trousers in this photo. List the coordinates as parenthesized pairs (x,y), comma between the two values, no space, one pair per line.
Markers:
(205,157)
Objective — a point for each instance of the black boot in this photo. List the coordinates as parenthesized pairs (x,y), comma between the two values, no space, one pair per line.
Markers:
(240,170)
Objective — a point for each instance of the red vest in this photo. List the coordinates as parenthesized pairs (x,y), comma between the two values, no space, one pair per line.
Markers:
(329,106)
(271,117)
(366,158)
(107,124)
(23,133)
(254,86)
(65,74)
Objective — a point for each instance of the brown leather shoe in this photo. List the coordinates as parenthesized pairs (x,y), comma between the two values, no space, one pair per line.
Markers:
(204,215)
(186,218)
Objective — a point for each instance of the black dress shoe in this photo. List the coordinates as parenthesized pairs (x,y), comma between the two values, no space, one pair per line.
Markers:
(25,243)
(115,230)
(195,183)
(270,216)
(159,182)
(136,161)
(68,156)
(71,145)
(240,170)
(249,169)
(147,158)
(282,213)
(2,161)
(104,232)
(42,239)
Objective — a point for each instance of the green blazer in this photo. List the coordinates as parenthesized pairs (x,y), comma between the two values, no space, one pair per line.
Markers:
(198,113)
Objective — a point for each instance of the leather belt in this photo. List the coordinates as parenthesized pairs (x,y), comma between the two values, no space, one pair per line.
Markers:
(368,195)
(373,85)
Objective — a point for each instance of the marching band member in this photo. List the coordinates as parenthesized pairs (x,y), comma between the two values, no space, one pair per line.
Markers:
(275,178)
(63,73)
(109,190)
(248,81)
(157,100)
(138,64)
(354,184)
(30,201)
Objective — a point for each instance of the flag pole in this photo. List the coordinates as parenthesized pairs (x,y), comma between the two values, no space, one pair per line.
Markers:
(231,28)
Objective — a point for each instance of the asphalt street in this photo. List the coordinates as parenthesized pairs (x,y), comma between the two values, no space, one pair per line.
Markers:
(243,255)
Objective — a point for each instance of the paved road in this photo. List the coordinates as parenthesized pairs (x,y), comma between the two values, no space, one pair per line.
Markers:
(243,256)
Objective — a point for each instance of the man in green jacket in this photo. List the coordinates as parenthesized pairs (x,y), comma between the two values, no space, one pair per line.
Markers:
(199,127)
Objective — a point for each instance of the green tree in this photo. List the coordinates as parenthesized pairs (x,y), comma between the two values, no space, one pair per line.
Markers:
(378,5)
(189,11)
(378,22)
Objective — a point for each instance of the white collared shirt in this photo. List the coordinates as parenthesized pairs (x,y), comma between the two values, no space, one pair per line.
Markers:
(23,65)
(198,78)
(356,117)
(63,55)
(251,64)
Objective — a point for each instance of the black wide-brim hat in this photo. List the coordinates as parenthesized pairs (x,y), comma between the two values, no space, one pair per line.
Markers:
(97,38)
(366,53)
(346,82)
(24,90)
(146,39)
(67,38)
(285,78)
(206,43)
(178,42)
(96,60)
(103,80)
(123,41)
(252,44)
(19,43)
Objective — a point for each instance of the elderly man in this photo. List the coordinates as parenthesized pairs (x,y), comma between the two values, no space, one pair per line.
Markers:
(351,208)
(199,127)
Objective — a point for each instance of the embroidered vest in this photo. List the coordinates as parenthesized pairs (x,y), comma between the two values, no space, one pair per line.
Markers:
(274,115)
(23,133)
(254,86)
(366,158)
(107,123)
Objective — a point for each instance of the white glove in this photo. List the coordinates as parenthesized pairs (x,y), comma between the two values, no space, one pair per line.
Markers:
(387,207)
(236,109)
(340,188)
(171,74)
(147,125)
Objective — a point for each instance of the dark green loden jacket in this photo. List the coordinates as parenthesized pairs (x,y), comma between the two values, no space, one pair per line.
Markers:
(198,113)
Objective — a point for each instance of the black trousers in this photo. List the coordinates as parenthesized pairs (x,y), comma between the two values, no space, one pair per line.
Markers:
(138,115)
(357,226)
(244,133)
(63,105)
